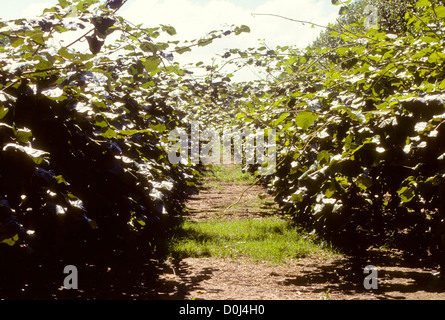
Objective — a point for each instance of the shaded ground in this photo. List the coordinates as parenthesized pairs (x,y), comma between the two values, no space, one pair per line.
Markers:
(311,278)
(211,203)
(306,279)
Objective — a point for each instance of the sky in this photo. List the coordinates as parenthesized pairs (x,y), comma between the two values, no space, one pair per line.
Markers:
(193,19)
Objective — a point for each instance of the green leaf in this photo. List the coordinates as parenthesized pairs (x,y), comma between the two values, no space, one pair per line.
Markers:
(16,41)
(305,119)
(38,38)
(169,29)
(141,222)
(74,10)
(63,52)
(204,42)
(429,39)
(406,194)
(36,155)
(182,50)
(152,64)
(440,11)
(3,112)
(329,193)
(149,47)
(347,142)
(297,197)
(343,10)
(436,57)
(158,127)
(423,3)
(243,28)
(331,190)
(70,196)
(23,135)
(102,124)
(64,3)
(280,119)
(434,180)
(11,241)
(324,155)
(129,132)
(60,179)
(147,85)
(364,182)
(110,133)
(341,50)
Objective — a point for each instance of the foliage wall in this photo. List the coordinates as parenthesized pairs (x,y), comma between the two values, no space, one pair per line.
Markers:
(85,178)
(361,132)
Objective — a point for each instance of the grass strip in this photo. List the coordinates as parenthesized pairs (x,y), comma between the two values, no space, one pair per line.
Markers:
(271,240)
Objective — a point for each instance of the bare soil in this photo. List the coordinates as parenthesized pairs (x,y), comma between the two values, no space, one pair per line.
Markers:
(311,278)
(211,203)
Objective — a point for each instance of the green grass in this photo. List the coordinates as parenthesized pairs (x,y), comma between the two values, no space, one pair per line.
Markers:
(270,240)
(229,174)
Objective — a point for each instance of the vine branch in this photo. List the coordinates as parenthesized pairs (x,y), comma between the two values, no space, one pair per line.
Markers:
(293,20)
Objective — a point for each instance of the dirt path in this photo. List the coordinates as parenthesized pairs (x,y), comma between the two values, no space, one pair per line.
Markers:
(311,278)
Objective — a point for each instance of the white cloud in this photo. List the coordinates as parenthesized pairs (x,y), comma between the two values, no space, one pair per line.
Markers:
(194,20)
(278,31)
(36,9)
